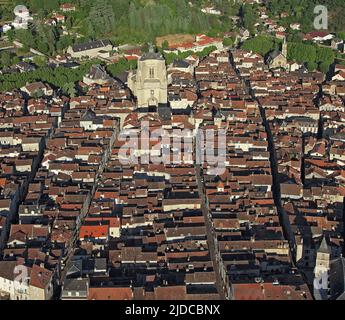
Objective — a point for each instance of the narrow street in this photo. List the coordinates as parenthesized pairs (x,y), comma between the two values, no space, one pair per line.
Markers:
(210,235)
(283,218)
(99,173)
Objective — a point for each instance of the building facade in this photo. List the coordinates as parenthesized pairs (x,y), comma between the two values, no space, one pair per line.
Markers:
(149,84)
(278,59)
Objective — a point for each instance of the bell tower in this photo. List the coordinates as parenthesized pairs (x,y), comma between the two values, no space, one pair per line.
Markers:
(284,48)
(150,83)
(321,271)
(323,258)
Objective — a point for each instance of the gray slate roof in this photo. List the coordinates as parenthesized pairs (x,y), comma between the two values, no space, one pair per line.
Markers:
(76,285)
(324,248)
(151,56)
(180,64)
(90,45)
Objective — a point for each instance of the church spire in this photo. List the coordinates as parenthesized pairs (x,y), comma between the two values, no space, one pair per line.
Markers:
(151,48)
(284,49)
(324,248)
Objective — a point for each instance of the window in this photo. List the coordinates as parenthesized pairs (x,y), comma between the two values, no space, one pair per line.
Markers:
(152,73)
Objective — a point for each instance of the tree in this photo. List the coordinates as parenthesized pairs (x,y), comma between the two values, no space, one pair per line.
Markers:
(206,52)
(248,17)
(101,18)
(63,43)
(69,22)
(324,67)
(69,89)
(302,53)
(26,37)
(57,77)
(40,61)
(10,35)
(5,58)
(15,60)
(341,35)
(228,42)
(311,65)
(120,66)
(132,16)
(260,44)
(325,55)
(42,46)
(165,45)
(38,94)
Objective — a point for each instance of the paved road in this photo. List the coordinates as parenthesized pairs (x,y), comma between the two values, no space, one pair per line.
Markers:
(88,203)
(210,235)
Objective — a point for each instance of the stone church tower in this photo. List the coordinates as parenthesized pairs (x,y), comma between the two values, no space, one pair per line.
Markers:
(284,48)
(277,58)
(150,83)
(321,271)
(323,258)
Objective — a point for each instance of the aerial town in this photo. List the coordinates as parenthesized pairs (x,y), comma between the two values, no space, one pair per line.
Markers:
(196,167)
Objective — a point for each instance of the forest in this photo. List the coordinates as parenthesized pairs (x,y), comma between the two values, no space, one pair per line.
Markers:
(302,11)
(59,77)
(122,21)
(141,21)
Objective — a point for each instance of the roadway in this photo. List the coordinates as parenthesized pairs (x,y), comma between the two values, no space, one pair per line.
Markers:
(210,235)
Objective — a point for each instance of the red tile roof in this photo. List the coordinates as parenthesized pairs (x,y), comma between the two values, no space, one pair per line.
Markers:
(110,294)
(93,231)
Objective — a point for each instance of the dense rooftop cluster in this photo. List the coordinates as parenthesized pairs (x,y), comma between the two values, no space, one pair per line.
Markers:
(88,219)
(305,122)
(250,240)
(55,170)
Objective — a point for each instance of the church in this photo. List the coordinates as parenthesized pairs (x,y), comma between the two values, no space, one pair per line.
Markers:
(278,59)
(150,82)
